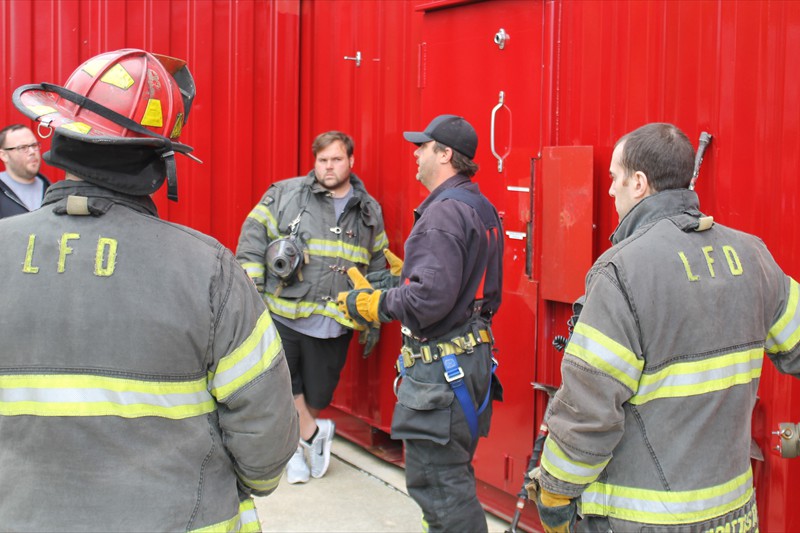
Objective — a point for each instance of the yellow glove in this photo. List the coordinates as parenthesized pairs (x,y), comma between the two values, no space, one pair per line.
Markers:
(395,263)
(390,277)
(557,513)
(361,304)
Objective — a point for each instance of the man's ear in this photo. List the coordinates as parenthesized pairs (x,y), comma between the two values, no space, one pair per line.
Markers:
(641,185)
(446,155)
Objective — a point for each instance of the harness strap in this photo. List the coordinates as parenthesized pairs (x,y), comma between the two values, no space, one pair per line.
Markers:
(454,375)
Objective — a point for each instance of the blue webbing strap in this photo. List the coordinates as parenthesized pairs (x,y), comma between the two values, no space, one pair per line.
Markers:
(455,377)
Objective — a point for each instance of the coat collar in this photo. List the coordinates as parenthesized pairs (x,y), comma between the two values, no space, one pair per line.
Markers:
(680,205)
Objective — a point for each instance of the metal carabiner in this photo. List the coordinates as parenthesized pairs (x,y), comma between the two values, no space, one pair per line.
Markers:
(49,130)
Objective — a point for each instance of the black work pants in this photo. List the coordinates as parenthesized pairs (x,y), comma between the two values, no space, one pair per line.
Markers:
(438,444)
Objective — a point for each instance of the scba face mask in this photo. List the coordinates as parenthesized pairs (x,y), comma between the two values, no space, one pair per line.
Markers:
(284,258)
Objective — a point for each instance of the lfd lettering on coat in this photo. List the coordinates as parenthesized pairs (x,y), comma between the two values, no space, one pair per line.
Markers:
(105,254)
(710,255)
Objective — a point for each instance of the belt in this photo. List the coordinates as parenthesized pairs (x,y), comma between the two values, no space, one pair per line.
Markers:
(430,351)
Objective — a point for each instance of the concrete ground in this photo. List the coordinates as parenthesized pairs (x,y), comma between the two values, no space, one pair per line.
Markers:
(359,493)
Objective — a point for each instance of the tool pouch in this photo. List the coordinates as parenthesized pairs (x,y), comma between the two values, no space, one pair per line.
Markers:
(423,411)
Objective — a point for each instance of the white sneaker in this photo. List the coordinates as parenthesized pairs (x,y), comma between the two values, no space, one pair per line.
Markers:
(320,450)
(297,469)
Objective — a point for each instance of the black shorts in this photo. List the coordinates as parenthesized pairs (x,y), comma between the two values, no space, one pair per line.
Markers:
(314,364)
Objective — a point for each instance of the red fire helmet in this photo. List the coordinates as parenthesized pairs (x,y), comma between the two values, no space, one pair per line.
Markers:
(127,97)
(135,84)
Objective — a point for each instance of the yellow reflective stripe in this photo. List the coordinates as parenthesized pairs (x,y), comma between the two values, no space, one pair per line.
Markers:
(381,242)
(606,354)
(263,216)
(83,395)
(227,526)
(261,484)
(248,517)
(340,249)
(246,521)
(700,377)
(302,309)
(556,462)
(249,360)
(784,335)
(667,507)
(254,270)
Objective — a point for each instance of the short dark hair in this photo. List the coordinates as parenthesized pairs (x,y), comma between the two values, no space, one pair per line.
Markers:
(326,139)
(461,163)
(8,129)
(662,152)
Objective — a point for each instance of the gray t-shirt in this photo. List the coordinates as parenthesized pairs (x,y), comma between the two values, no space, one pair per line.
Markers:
(30,194)
(318,326)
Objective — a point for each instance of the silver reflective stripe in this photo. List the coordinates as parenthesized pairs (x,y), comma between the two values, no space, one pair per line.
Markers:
(556,462)
(785,333)
(87,395)
(248,361)
(700,377)
(667,507)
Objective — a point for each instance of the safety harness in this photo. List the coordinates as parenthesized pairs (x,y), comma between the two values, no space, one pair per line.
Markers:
(463,342)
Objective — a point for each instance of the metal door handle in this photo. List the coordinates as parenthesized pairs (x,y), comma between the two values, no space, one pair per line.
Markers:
(357,59)
(500,104)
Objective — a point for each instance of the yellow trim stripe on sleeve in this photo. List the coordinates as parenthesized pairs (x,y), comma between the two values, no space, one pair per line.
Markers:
(667,507)
(381,242)
(254,270)
(249,360)
(261,484)
(263,216)
(245,521)
(606,354)
(695,378)
(558,464)
(784,335)
(86,395)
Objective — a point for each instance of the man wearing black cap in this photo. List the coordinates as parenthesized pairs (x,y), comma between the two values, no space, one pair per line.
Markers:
(448,291)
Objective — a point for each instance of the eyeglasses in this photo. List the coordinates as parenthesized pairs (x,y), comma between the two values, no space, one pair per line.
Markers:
(24,148)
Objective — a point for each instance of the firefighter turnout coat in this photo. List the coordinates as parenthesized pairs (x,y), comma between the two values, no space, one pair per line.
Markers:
(143,386)
(652,422)
(357,238)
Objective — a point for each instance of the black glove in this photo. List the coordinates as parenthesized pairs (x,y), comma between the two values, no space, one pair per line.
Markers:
(557,513)
(369,337)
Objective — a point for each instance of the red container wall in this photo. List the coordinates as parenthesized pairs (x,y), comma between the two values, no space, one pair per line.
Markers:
(244,57)
(728,68)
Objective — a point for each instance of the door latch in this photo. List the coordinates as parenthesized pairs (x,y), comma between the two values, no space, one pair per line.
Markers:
(357,59)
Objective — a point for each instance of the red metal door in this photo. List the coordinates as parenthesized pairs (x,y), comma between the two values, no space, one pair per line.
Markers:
(484,61)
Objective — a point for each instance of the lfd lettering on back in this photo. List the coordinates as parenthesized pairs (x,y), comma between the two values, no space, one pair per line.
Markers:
(741,524)
(710,255)
(105,254)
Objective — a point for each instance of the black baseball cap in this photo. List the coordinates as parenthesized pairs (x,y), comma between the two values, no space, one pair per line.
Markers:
(450,130)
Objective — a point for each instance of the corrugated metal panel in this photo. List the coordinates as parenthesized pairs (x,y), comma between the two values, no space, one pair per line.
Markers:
(245,60)
(725,67)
